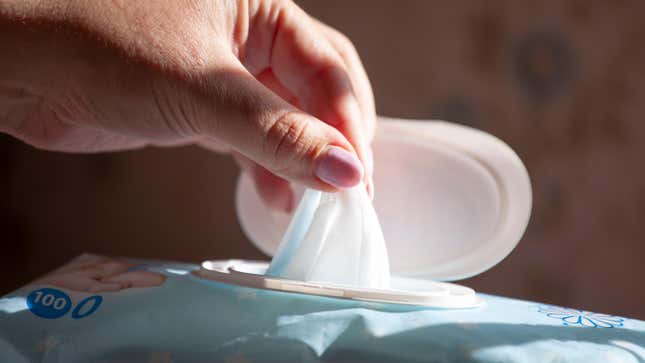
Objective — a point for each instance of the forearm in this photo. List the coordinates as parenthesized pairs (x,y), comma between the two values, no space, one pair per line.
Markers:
(48,50)
(51,56)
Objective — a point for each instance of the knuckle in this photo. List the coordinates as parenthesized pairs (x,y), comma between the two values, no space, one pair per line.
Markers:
(288,141)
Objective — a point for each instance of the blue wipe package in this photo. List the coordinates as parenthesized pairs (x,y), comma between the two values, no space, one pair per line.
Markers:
(98,309)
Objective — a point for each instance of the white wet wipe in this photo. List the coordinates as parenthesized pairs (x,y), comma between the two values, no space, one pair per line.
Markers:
(334,238)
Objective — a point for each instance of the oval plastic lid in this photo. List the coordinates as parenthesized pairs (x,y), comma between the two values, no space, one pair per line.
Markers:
(452,201)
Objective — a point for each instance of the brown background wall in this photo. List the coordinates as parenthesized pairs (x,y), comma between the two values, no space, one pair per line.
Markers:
(561,81)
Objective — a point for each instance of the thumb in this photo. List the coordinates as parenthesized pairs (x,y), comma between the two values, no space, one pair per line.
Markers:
(252,120)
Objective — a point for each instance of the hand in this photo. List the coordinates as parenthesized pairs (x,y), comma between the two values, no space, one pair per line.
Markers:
(285,94)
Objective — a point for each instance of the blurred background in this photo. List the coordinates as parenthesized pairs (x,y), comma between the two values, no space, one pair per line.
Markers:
(562,82)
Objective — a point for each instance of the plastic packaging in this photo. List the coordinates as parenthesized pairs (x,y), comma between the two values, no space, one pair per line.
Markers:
(165,312)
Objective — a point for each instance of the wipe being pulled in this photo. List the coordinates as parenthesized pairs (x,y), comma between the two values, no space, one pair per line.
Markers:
(334,238)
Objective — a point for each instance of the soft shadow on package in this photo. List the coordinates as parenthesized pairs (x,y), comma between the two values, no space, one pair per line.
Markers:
(98,309)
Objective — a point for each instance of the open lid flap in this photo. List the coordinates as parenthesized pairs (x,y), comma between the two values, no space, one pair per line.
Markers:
(452,201)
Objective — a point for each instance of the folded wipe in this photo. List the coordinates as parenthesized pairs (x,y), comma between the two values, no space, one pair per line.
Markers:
(334,238)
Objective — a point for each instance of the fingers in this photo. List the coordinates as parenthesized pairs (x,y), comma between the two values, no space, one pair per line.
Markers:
(362,89)
(304,61)
(233,107)
(268,79)
(356,71)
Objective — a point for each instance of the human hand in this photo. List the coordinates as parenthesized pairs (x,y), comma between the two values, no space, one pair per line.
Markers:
(285,94)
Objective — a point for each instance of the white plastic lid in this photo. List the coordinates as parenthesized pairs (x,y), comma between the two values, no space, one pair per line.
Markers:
(452,201)
(406,291)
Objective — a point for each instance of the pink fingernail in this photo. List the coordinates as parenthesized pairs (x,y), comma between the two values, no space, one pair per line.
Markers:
(339,168)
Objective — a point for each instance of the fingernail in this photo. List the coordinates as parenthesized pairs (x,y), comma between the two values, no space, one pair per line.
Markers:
(339,168)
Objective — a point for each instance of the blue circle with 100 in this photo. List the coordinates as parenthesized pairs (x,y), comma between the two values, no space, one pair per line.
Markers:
(51,303)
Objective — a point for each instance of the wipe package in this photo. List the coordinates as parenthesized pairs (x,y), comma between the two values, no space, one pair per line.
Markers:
(165,312)
(334,238)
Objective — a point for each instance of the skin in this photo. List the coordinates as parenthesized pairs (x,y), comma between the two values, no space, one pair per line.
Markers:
(261,80)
